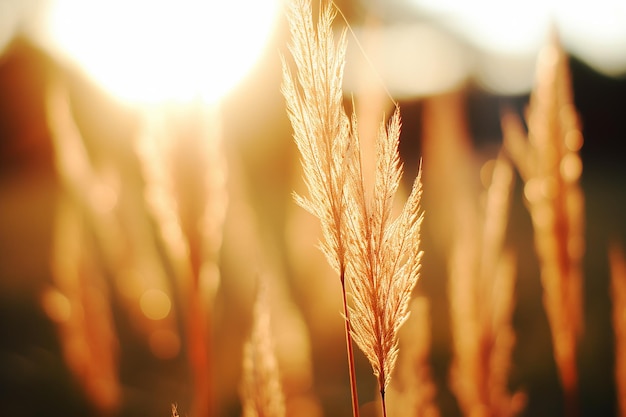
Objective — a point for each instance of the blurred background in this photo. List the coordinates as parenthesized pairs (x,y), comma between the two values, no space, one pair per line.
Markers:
(117,115)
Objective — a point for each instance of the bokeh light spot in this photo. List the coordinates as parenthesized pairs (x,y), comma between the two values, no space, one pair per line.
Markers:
(56,306)
(155,304)
(571,167)
(574,140)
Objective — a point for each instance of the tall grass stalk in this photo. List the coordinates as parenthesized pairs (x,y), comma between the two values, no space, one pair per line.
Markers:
(322,135)
(548,161)
(188,201)
(481,287)
(377,257)
(261,390)
(79,302)
(384,253)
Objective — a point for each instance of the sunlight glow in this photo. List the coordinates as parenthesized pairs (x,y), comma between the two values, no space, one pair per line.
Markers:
(410,60)
(8,23)
(496,25)
(595,31)
(149,51)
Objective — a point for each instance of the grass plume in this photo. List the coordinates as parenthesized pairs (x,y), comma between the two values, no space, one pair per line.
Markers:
(79,302)
(548,161)
(379,254)
(322,134)
(175,147)
(321,127)
(481,288)
(384,254)
(261,391)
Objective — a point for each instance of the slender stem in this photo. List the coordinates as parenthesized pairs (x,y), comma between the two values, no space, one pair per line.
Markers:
(569,380)
(198,352)
(384,404)
(353,389)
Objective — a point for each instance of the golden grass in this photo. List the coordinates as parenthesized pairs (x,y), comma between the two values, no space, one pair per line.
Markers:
(470,226)
(322,135)
(550,166)
(384,255)
(79,300)
(261,391)
(378,256)
(321,127)
(189,203)
(374,248)
(481,287)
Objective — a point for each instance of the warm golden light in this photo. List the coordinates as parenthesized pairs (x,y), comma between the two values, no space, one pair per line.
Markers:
(56,305)
(502,26)
(571,167)
(409,60)
(155,304)
(509,34)
(149,51)
(574,140)
(9,18)
(164,343)
(595,31)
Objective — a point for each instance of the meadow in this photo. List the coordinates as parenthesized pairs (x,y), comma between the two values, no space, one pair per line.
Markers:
(302,250)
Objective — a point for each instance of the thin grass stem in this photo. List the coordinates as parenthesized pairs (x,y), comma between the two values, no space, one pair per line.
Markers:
(350,350)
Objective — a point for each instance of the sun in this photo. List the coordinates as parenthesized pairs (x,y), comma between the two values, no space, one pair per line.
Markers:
(150,51)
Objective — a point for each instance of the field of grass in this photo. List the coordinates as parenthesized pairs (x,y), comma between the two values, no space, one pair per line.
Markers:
(301,250)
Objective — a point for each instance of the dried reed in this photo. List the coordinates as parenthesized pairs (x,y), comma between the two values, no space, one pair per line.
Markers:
(107,193)
(261,391)
(322,135)
(79,304)
(550,166)
(380,255)
(184,168)
(481,272)
(384,254)
(481,287)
